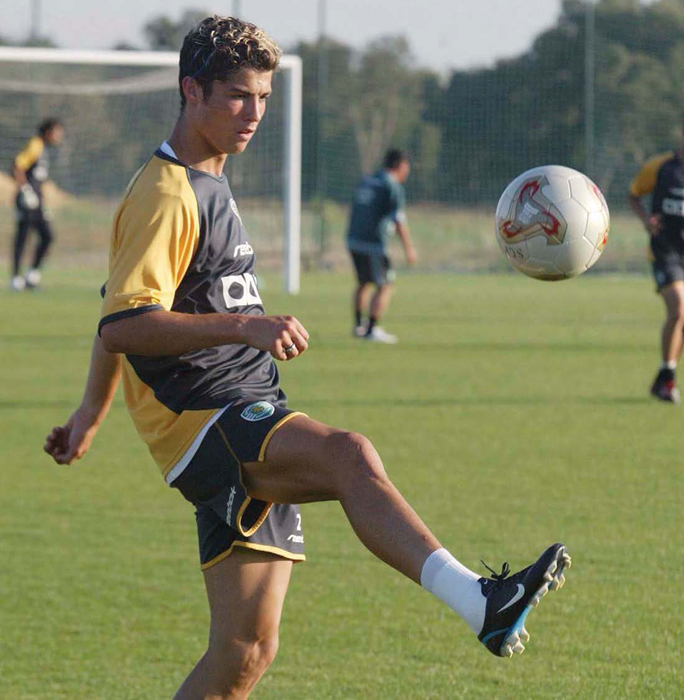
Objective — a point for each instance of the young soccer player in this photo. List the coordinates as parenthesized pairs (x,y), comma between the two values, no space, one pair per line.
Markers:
(377,206)
(182,322)
(663,177)
(31,170)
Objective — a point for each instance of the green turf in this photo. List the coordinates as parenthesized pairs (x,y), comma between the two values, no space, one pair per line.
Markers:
(512,414)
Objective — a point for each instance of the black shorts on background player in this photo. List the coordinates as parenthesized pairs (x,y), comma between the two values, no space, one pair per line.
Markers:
(375,268)
(668,260)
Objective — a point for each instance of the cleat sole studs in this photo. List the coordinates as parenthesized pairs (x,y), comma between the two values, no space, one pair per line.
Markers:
(524,635)
(558,582)
(507,651)
(519,648)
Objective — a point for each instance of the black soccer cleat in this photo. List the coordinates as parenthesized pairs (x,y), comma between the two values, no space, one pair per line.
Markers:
(664,387)
(510,599)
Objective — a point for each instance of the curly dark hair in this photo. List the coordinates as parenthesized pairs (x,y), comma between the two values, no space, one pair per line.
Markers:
(221,46)
(48,125)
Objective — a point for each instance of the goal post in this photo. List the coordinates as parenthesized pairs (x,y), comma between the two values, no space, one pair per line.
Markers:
(137,91)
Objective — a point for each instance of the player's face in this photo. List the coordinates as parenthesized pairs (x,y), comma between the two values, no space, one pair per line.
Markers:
(54,136)
(229,117)
(403,171)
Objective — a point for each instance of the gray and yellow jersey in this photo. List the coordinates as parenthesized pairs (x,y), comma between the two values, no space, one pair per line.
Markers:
(663,177)
(378,203)
(34,160)
(178,244)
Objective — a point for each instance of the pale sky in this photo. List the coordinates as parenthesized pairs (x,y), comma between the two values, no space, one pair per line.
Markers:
(443,34)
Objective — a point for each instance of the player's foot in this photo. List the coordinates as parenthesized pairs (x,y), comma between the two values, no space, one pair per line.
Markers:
(510,599)
(18,283)
(380,335)
(664,387)
(33,278)
(359,331)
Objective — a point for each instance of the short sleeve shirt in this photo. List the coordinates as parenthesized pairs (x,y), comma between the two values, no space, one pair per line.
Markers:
(178,243)
(378,202)
(34,160)
(663,177)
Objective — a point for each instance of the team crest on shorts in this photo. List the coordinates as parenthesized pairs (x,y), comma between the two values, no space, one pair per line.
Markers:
(257,411)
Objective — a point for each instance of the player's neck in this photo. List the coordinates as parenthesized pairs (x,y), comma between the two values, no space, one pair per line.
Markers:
(192,150)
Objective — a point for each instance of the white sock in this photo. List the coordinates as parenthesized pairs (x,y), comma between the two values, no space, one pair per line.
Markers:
(670,364)
(457,586)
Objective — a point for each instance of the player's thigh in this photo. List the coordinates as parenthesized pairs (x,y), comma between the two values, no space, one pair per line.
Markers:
(307,460)
(673,296)
(246,593)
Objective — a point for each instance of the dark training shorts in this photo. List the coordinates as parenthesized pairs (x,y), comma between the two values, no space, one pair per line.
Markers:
(375,268)
(668,262)
(226,516)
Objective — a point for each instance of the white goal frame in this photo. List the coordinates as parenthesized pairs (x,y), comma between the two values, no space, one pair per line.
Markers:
(291,67)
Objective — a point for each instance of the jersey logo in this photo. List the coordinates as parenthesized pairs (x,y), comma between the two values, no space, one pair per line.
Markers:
(240,290)
(243,249)
(672,207)
(257,411)
(234,209)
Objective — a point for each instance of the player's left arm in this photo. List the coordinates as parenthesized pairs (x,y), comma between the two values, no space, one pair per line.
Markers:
(405,235)
(398,215)
(69,442)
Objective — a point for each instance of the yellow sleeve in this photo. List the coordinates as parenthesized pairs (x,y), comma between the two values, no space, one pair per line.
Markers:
(153,242)
(32,151)
(645,180)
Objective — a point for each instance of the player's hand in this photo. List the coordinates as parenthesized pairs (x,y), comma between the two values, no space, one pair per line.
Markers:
(654,224)
(71,441)
(411,256)
(283,336)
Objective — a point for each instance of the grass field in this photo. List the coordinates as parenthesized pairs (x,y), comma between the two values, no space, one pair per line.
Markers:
(448,238)
(512,414)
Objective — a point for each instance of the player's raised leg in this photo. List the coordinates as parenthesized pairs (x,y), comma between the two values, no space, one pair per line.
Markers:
(306,461)
(246,592)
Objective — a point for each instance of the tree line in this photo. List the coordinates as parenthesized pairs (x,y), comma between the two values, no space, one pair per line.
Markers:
(472,131)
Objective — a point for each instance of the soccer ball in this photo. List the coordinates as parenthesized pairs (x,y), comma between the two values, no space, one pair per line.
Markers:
(552,222)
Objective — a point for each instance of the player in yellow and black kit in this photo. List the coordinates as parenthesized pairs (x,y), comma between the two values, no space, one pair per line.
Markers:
(183,322)
(663,178)
(31,170)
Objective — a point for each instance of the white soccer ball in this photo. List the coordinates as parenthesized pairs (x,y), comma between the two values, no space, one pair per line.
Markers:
(552,222)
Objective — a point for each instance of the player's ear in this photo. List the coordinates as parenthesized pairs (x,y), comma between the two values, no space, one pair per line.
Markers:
(192,90)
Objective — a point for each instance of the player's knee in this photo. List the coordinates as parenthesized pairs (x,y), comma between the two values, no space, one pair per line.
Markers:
(242,663)
(676,312)
(358,457)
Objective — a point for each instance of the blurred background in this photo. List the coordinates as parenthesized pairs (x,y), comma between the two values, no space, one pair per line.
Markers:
(476,92)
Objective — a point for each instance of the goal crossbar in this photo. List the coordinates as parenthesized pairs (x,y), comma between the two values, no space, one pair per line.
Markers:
(291,67)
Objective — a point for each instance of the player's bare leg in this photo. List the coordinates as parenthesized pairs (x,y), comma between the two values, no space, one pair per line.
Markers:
(378,306)
(246,592)
(673,328)
(309,461)
(672,341)
(381,300)
(360,302)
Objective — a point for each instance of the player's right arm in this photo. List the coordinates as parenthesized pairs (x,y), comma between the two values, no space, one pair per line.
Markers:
(156,237)
(405,236)
(162,332)
(69,442)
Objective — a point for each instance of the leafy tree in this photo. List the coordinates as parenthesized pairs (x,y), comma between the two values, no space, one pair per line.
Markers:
(164,34)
